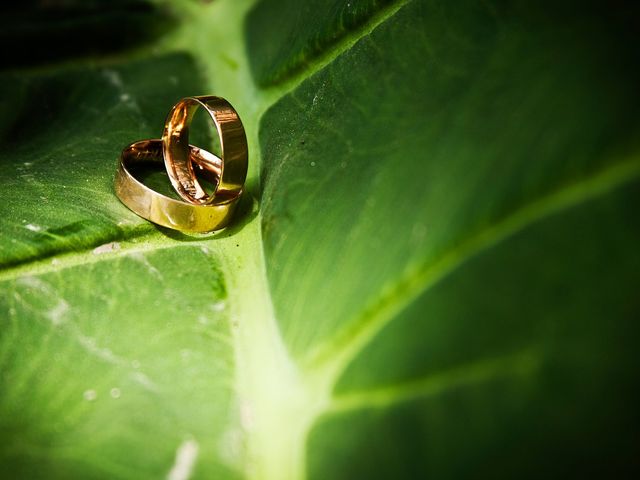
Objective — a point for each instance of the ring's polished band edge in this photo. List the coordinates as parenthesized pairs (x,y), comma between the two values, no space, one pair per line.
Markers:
(166,211)
(233,144)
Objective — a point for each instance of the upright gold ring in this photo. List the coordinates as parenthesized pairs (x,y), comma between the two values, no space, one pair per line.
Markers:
(176,150)
(166,211)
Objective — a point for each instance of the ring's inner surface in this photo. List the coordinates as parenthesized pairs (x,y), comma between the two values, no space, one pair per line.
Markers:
(145,162)
(202,133)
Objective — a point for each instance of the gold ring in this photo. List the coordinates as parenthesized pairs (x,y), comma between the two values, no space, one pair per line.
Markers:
(233,143)
(166,211)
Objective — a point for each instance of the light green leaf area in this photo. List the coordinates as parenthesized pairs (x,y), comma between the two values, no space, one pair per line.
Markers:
(110,364)
(433,275)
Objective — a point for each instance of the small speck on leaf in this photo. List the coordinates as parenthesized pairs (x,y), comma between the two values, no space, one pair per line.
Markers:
(90,395)
(106,248)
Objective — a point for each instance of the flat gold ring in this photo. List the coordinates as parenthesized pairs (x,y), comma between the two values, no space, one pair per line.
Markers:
(233,143)
(164,210)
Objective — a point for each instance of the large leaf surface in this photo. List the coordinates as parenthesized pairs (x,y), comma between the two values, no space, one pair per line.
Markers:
(446,286)
(469,269)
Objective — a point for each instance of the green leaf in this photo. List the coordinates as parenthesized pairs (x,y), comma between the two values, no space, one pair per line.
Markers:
(110,363)
(285,36)
(450,239)
(62,135)
(433,273)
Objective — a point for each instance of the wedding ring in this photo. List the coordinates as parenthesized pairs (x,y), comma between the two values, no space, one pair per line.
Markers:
(233,143)
(166,211)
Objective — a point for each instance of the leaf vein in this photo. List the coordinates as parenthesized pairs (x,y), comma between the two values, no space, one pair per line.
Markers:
(336,354)
(519,364)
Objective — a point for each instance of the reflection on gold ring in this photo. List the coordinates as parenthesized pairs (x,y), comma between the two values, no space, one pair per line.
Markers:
(233,143)
(166,211)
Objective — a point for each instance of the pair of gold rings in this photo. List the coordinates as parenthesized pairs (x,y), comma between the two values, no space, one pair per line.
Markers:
(198,211)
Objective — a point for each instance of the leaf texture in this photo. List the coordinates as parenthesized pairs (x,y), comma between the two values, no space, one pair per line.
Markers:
(433,273)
